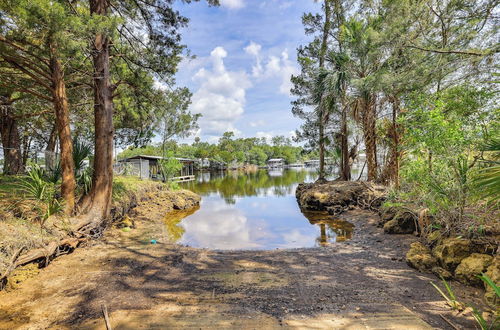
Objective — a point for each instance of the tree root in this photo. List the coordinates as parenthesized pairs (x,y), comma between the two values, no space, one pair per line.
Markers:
(42,255)
(10,268)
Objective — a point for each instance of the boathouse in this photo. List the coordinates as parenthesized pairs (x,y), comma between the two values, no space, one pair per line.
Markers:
(147,167)
(275,162)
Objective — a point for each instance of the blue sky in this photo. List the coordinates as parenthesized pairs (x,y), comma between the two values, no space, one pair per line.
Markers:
(245,53)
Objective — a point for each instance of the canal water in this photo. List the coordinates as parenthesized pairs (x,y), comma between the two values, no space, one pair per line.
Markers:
(255,210)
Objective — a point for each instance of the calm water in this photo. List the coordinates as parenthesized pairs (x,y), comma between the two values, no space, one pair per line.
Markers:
(253,211)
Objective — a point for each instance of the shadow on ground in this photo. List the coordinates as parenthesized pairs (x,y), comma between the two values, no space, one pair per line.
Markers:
(164,285)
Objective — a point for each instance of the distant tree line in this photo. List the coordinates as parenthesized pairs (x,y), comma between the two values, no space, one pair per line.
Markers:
(229,150)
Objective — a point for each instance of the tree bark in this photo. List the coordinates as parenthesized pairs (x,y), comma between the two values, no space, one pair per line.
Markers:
(11,142)
(322,113)
(345,166)
(391,169)
(61,108)
(370,137)
(99,199)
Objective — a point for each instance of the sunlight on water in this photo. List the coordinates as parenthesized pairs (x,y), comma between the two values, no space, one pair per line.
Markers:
(253,211)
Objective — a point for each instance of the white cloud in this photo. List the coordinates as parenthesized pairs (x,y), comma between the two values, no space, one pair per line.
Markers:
(285,5)
(221,95)
(267,135)
(232,4)
(257,123)
(276,67)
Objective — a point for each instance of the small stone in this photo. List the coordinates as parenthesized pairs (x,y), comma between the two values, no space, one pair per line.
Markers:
(493,272)
(434,237)
(402,223)
(419,256)
(441,273)
(451,251)
(468,270)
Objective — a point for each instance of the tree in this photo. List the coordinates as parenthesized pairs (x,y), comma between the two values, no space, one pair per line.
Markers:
(312,58)
(156,49)
(32,49)
(11,140)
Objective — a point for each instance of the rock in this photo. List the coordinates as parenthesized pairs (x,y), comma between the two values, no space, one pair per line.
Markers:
(434,237)
(336,196)
(402,223)
(469,268)
(451,251)
(387,212)
(441,273)
(493,272)
(420,257)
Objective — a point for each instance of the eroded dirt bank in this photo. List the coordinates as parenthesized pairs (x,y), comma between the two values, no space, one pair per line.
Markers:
(357,284)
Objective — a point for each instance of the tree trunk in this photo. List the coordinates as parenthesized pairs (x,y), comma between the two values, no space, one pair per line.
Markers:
(61,108)
(396,152)
(345,168)
(11,142)
(322,113)
(391,169)
(99,198)
(370,136)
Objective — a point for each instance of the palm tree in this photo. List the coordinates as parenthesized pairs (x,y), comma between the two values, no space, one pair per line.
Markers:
(329,93)
(360,38)
(488,178)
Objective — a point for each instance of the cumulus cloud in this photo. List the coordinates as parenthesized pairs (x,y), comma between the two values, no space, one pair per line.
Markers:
(267,135)
(221,95)
(257,123)
(232,4)
(275,67)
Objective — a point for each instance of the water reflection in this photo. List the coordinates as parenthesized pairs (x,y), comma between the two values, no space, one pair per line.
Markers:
(331,229)
(254,210)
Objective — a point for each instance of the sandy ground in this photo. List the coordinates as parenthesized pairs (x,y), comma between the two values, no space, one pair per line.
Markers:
(360,284)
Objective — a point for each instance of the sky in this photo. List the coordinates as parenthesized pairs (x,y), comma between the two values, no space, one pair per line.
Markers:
(245,54)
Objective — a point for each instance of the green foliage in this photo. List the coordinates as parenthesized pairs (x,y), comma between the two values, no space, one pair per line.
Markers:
(487,180)
(228,150)
(443,144)
(81,151)
(477,314)
(34,186)
(450,297)
(84,180)
(490,283)
(37,187)
(53,175)
(169,167)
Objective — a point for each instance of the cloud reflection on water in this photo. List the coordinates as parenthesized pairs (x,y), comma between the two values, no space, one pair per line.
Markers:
(254,211)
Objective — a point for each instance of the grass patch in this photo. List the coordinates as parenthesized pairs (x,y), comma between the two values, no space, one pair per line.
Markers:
(388,204)
(124,186)
(19,217)
(9,185)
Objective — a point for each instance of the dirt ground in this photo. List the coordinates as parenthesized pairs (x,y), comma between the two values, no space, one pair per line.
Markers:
(363,283)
